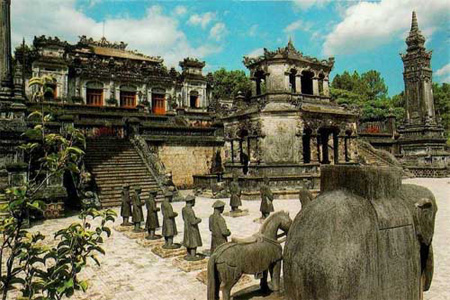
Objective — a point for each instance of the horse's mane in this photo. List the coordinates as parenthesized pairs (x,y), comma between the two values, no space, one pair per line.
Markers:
(269,219)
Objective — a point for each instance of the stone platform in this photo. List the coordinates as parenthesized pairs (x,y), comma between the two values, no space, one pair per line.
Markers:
(243,282)
(150,243)
(121,228)
(135,235)
(189,266)
(243,212)
(165,253)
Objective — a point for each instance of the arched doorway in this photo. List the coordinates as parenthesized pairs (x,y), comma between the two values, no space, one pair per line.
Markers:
(326,134)
(128,96)
(292,81)
(159,101)
(307,82)
(306,139)
(94,93)
(194,99)
(244,150)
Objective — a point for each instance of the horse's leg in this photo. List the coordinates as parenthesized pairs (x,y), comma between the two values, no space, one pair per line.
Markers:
(263,283)
(226,289)
(275,273)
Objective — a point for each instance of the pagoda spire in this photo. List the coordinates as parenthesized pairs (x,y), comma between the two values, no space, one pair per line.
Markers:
(414,23)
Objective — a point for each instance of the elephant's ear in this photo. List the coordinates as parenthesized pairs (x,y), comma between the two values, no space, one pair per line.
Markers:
(425,213)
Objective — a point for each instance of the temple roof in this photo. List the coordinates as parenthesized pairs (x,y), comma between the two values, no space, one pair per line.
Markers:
(288,52)
(103,47)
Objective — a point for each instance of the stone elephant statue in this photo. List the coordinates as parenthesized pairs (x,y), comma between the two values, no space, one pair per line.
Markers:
(366,237)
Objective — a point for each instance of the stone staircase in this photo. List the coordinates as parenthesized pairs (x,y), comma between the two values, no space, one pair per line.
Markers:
(114,162)
(376,157)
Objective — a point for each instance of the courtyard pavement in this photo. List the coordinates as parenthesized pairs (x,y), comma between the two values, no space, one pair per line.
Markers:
(131,272)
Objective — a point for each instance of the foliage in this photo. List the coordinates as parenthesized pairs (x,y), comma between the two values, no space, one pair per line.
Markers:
(45,85)
(112,101)
(26,264)
(441,94)
(228,83)
(368,93)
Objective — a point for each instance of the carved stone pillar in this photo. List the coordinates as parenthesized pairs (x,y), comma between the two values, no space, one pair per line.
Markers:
(253,81)
(6,79)
(326,88)
(298,83)
(315,86)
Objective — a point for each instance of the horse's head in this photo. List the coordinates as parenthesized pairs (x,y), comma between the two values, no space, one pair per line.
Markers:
(278,220)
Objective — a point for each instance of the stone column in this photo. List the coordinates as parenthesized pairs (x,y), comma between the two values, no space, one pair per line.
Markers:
(298,83)
(253,81)
(316,86)
(326,88)
(5,46)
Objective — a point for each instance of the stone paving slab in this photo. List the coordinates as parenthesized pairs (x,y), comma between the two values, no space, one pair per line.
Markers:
(166,253)
(189,266)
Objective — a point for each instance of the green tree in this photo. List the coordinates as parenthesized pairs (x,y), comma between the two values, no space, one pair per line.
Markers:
(26,264)
(441,94)
(228,83)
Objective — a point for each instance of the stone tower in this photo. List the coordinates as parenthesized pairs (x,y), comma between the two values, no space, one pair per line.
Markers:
(5,49)
(422,140)
(417,76)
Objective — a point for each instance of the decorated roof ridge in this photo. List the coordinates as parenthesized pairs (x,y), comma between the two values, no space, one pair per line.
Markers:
(44,40)
(192,62)
(415,39)
(288,52)
(117,46)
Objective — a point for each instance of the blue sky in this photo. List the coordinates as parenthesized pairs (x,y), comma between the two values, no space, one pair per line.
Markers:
(361,35)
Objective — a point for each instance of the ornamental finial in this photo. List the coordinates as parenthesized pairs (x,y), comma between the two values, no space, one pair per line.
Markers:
(414,23)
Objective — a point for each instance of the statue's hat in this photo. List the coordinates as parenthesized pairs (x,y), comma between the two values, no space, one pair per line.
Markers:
(218,204)
(153,192)
(137,188)
(125,185)
(189,198)
(168,194)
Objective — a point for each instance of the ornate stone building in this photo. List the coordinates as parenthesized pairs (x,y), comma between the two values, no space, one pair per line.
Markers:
(290,126)
(422,140)
(101,73)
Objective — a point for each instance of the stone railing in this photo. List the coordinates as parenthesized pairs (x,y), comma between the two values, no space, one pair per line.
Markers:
(376,127)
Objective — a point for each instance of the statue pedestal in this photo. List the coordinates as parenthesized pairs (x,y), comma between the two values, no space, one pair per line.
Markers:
(189,266)
(150,243)
(165,253)
(236,214)
(244,281)
(254,292)
(134,235)
(121,228)
(259,220)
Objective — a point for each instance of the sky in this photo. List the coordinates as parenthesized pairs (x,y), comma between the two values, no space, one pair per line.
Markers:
(361,35)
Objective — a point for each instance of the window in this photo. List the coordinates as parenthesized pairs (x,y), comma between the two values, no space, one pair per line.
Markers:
(158,102)
(292,83)
(128,96)
(307,82)
(94,93)
(194,100)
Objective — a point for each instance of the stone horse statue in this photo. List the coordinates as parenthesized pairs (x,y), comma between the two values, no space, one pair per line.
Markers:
(256,255)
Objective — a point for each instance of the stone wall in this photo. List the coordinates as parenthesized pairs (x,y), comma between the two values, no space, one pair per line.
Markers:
(186,161)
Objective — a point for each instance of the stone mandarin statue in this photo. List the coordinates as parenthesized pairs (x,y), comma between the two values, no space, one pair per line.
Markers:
(152,216)
(266,199)
(304,195)
(235,198)
(218,226)
(192,239)
(138,215)
(169,228)
(125,209)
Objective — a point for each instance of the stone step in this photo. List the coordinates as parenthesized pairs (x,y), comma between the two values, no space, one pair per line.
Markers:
(108,172)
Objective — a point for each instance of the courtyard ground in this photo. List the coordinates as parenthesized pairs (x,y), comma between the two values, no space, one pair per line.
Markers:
(131,272)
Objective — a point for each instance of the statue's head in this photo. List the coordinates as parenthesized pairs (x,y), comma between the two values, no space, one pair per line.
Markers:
(266,180)
(190,200)
(219,206)
(168,196)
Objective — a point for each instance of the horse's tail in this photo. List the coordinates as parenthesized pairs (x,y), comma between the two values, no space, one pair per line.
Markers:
(212,278)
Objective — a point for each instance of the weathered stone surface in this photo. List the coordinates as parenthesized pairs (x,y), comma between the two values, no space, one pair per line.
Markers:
(134,235)
(189,266)
(244,281)
(364,237)
(150,243)
(121,228)
(165,253)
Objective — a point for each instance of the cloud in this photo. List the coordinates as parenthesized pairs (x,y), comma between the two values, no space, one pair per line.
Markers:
(306,4)
(256,53)
(298,25)
(202,20)
(218,31)
(153,34)
(367,25)
(444,73)
(253,30)
(180,10)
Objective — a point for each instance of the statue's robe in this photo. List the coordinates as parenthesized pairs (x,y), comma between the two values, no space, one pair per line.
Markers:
(266,199)
(138,215)
(235,191)
(169,227)
(125,209)
(192,238)
(152,213)
(305,196)
(219,230)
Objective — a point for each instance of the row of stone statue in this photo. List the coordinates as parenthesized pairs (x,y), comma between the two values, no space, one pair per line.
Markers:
(132,207)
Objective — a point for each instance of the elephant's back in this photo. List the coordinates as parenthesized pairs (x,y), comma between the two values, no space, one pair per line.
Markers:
(330,251)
